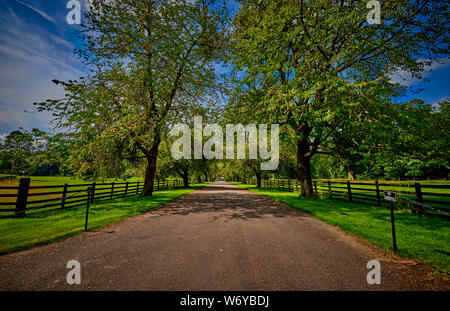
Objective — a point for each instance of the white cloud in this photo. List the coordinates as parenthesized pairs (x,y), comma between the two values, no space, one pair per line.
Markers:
(436,102)
(43,14)
(61,41)
(30,57)
(405,78)
(3,137)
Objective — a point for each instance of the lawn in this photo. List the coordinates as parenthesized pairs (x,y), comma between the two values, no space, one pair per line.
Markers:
(10,195)
(38,229)
(428,193)
(420,237)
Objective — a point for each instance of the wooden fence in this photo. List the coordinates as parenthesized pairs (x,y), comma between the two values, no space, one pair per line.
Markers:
(421,198)
(19,200)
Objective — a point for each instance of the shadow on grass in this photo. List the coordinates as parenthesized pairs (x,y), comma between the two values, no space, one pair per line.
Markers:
(421,237)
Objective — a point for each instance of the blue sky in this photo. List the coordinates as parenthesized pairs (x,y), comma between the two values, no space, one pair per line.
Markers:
(36,46)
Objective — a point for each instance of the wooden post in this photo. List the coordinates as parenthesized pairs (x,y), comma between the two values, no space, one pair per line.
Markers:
(289,185)
(63,201)
(93,192)
(315,187)
(419,197)
(112,190)
(137,187)
(126,188)
(329,190)
(349,190)
(377,187)
(22,196)
(157,185)
(89,194)
(394,237)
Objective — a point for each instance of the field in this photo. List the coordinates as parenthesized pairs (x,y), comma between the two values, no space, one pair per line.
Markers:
(421,237)
(42,228)
(434,194)
(46,193)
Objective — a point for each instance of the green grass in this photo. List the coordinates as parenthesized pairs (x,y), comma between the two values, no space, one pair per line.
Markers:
(420,237)
(44,181)
(38,229)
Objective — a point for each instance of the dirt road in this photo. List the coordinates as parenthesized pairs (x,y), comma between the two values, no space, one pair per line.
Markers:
(218,238)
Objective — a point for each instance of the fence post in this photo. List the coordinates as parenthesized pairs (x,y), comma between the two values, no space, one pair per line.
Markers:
(157,185)
(349,190)
(419,197)
(112,191)
(126,188)
(315,187)
(394,237)
(22,196)
(329,190)
(93,192)
(63,201)
(378,193)
(89,194)
(289,185)
(137,187)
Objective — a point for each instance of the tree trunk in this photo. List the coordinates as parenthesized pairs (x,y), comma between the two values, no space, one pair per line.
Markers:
(185,179)
(304,169)
(350,175)
(150,171)
(199,179)
(258,179)
(13,166)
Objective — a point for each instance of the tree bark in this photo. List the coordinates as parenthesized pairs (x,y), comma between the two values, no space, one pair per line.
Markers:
(185,179)
(304,167)
(258,179)
(304,174)
(13,166)
(350,175)
(150,171)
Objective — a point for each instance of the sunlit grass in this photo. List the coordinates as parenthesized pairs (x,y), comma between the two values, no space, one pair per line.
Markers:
(37,229)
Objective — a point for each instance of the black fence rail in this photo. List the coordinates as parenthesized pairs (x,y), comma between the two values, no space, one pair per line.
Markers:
(420,198)
(20,200)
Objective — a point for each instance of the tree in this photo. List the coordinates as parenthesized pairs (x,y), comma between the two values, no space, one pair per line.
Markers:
(148,61)
(409,143)
(18,146)
(324,65)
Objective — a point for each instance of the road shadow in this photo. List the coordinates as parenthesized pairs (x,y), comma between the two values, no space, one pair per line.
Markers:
(226,201)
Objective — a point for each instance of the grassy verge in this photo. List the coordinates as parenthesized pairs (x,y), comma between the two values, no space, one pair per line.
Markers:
(38,229)
(420,237)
